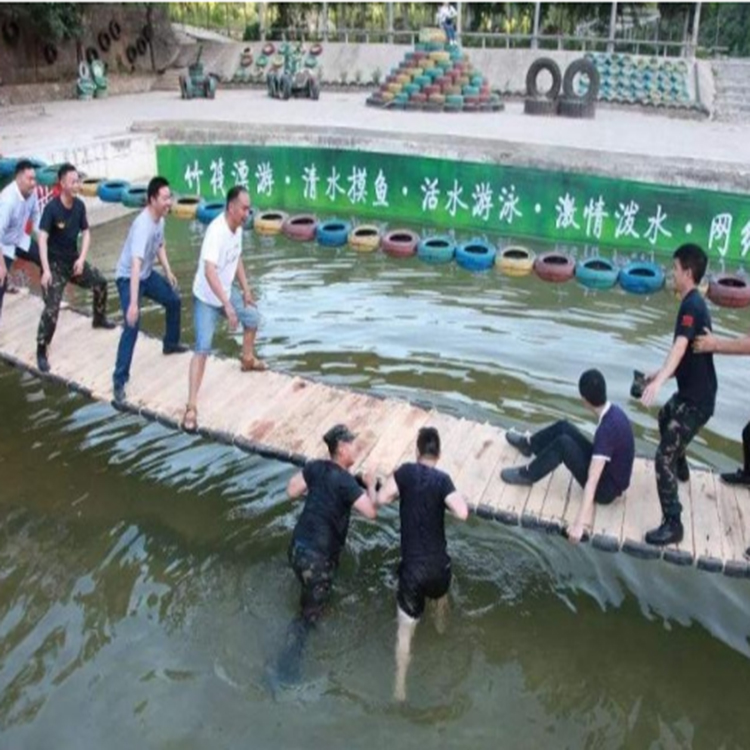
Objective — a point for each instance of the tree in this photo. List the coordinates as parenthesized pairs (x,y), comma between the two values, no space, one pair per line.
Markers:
(55,21)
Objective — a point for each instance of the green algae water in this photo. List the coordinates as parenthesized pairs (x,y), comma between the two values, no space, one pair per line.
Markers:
(143,574)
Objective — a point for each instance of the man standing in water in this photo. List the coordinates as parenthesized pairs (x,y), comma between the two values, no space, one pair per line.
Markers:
(320,534)
(64,218)
(425,568)
(136,277)
(693,404)
(216,296)
(18,206)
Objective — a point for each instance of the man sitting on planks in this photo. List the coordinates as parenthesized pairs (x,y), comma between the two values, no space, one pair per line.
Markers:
(603,468)
(425,568)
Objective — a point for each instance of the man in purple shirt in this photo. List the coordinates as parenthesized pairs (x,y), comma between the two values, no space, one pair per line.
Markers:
(602,468)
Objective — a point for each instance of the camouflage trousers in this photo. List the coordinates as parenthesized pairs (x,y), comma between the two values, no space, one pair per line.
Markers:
(679,422)
(62,275)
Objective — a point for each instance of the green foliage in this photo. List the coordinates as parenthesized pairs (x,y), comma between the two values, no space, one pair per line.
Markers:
(252,32)
(53,21)
(727,26)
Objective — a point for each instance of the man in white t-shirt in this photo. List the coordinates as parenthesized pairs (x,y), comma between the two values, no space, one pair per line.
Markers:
(215,295)
(18,207)
(135,278)
(446,17)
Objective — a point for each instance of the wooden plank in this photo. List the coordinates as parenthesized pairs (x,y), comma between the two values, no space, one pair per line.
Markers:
(707,531)
(734,541)
(448,428)
(556,500)
(575,501)
(510,499)
(684,552)
(642,509)
(608,520)
(488,444)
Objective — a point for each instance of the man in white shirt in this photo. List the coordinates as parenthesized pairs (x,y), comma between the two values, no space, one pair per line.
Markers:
(215,295)
(135,278)
(18,206)
(446,17)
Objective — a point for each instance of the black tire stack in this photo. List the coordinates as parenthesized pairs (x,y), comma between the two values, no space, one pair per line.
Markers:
(571,103)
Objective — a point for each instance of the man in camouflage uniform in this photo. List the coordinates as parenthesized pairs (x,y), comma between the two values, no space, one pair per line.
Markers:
(63,219)
(693,404)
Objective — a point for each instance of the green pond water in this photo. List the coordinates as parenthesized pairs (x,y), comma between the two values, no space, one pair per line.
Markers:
(143,574)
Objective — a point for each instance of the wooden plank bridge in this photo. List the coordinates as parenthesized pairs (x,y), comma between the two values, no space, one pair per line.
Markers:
(283,416)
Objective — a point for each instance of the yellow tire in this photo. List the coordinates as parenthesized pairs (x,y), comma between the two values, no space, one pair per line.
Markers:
(401,79)
(394,88)
(439,56)
(388,96)
(436,98)
(186,206)
(416,72)
(365,238)
(89,186)
(515,260)
(269,222)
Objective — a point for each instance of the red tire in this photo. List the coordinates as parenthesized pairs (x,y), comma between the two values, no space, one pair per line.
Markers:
(729,290)
(433,89)
(300,227)
(555,267)
(400,243)
(418,96)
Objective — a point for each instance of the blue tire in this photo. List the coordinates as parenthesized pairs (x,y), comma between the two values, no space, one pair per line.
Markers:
(134,196)
(334,233)
(476,255)
(47,176)
(436,250)
(207,212)
(111,191)
(641,277)
(596,273)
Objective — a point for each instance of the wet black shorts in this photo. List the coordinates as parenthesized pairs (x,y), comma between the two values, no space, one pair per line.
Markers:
(315,572)
(418,580)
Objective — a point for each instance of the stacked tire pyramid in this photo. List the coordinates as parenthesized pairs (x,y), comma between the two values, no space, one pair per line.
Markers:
(641,80)
(436,77)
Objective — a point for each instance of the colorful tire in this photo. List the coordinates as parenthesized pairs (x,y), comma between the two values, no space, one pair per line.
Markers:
(89,186)
(365,238)
(515,260)
(334,233)
(186,206)
(554,267)
(134,196)
(269,223)
(476,255)
(268,49)
(400,243)
(300,227)
(729,290)
(596,273)
(110,191)
(436,250)
(208,211)
(316,50)
(641,277)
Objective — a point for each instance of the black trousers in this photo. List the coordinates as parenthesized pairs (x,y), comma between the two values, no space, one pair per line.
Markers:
(562,443)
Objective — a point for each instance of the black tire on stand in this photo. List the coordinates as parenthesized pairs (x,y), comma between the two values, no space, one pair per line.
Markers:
(577,109)
(541,106)
(543,63)
(585,67)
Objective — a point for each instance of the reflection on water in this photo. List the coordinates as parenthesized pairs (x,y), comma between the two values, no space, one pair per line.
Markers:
(143,578)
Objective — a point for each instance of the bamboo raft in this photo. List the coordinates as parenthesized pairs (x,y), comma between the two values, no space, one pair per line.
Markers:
(283,417)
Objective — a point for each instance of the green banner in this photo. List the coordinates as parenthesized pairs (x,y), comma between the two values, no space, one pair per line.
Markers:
(559,206)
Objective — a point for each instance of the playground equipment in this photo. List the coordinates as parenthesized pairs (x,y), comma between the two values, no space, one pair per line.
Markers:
(197,84)
(295,76)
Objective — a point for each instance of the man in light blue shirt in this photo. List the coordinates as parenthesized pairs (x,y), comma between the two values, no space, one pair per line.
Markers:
(136,277)
(18,206)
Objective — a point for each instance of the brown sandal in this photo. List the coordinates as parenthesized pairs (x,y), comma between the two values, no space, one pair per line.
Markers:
(190,419)
(253,363)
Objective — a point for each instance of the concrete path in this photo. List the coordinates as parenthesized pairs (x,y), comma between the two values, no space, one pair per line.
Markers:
(71,123)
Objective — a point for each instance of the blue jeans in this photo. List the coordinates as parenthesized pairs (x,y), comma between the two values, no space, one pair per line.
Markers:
(155,288)
(449,27)
(206,318)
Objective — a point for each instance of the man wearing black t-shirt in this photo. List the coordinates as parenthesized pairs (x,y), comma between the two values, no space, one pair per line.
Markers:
(63,219)
(425,568)
(693,404)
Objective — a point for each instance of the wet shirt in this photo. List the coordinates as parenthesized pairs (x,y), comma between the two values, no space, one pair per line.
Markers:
(422,492)
(696,376)
(614,442)
(324,523)
(144,239)
(63,225)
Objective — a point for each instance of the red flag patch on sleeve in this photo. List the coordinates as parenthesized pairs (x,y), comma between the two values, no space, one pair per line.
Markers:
(687,321)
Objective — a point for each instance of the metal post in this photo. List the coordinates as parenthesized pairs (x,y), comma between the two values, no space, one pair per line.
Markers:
(458,21)
(535,32)
(325,22)
(612,29)
(696,27)
(390,23)
(262,21)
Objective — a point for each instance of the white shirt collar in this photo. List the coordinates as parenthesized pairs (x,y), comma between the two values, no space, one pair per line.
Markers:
(604,411)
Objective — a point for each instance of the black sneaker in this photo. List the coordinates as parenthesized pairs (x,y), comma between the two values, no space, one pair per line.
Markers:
(175,349)
(738,477)
(519,441)
(118,394)
(41,360)
(670,532)
(104,323)
(516,475)
(683,470)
